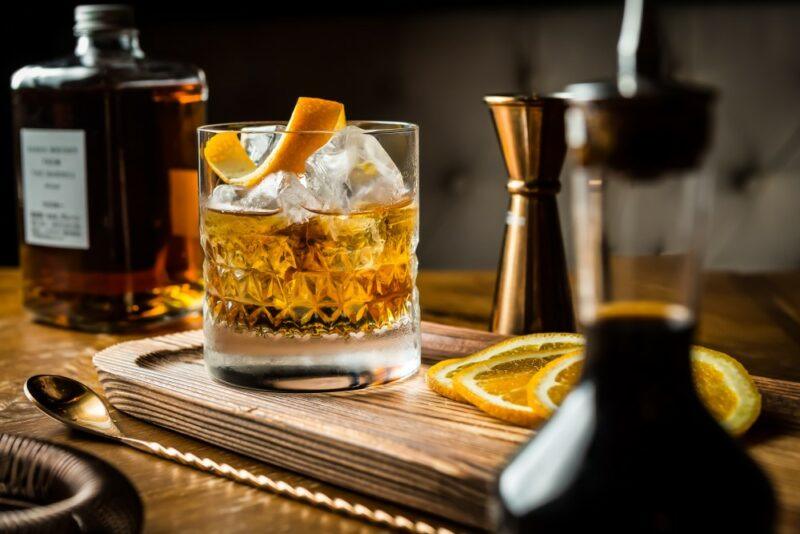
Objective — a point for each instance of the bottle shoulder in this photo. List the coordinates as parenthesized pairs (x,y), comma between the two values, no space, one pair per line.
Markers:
(74,72)
(662,468)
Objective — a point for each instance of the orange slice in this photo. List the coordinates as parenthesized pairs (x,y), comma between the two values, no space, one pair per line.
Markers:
(440,376)
(226,156)
(497,386)
(726,389)
(722,383)
(548,387)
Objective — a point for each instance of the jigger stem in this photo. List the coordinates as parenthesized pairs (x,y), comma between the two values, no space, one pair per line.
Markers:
(532,292)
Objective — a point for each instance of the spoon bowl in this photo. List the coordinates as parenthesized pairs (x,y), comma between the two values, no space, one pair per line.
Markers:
(72,403)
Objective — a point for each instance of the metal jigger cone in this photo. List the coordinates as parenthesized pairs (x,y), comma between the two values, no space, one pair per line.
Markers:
(532,290)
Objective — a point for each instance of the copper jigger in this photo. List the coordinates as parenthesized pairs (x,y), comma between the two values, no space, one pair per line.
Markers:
(532,291)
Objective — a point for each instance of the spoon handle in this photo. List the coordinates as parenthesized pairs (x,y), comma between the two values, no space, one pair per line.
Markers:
(263,482)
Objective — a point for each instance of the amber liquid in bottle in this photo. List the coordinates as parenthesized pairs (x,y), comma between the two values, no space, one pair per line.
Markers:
(141,262)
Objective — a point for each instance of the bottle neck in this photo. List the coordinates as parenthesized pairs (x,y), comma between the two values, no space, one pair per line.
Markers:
(114,45)
(640,366)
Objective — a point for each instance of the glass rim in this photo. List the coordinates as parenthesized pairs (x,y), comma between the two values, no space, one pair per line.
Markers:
(379,127)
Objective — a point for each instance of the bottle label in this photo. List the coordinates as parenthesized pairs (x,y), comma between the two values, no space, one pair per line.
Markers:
(54,187)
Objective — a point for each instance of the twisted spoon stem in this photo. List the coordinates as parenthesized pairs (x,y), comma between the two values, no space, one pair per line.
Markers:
(263,482)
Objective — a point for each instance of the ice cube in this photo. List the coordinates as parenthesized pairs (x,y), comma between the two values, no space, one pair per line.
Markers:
(281,190)
(259,141)
(226,197)
(352,170)
(284,190)
(295,199)
(266,194)
(378,189)
(327,172)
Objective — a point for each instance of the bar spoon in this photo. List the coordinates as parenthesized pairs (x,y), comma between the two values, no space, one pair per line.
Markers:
(77,406)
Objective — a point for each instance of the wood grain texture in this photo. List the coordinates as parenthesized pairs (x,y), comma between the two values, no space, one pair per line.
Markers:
(738,317)
(401,441)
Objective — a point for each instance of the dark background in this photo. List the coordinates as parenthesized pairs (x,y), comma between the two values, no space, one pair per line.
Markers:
(431,63)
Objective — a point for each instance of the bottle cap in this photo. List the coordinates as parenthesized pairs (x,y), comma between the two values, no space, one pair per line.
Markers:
(103,17)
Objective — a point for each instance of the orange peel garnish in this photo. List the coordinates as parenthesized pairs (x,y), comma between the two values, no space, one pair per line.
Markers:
(311,125)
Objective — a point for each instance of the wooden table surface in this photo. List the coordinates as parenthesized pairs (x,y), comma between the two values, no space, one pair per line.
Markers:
(753,317)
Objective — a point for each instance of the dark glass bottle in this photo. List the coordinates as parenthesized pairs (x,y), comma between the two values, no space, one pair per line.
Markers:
(107,181)
(632,448)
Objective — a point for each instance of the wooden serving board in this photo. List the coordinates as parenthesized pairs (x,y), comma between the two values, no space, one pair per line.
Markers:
(400,442)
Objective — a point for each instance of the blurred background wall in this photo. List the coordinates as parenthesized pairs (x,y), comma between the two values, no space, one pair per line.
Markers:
(431,63)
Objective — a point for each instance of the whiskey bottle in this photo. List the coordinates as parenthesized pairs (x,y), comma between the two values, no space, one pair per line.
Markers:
(106,174)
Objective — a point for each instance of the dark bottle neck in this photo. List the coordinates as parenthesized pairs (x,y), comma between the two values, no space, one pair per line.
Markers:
(641,368)
(109,45)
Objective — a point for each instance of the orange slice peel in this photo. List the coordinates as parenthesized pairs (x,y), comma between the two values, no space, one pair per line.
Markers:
(726,389)
(547,389)
(311,125)
(497,386)
(440,376)
(721,382)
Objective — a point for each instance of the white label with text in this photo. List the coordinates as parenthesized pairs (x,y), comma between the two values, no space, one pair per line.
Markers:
(54,187)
